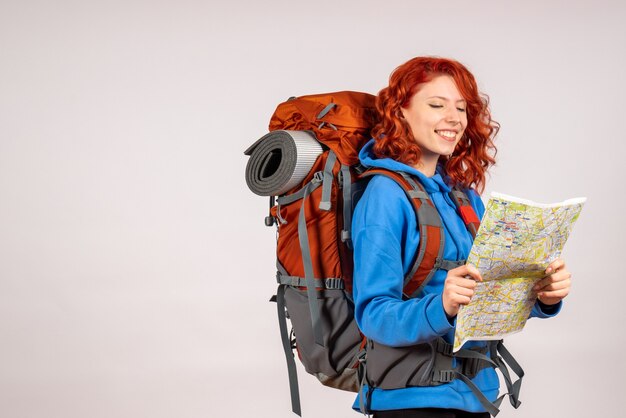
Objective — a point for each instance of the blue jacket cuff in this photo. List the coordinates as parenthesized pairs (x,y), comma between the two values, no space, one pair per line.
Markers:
(541,310)
(437,317)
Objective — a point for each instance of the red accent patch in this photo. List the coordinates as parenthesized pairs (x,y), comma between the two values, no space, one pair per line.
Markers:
(468,215)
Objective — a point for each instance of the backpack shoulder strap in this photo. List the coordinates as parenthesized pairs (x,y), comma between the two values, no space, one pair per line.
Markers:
(429,255)
(430,248)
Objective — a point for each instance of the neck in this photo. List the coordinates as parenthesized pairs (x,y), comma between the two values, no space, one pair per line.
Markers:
(427,166)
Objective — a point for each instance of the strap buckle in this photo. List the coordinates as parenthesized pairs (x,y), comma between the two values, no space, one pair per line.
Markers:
(470,367)
(443,347)
(334,283)
(318,176)
(443,376)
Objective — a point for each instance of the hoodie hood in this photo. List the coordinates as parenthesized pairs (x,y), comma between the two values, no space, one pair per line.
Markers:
(432,184)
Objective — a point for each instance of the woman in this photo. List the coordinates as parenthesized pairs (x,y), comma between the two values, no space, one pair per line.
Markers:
(435,126)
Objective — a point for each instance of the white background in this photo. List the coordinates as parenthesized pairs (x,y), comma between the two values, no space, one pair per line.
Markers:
(135,269)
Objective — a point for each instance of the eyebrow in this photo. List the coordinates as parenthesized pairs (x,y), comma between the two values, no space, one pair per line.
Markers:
(444,98)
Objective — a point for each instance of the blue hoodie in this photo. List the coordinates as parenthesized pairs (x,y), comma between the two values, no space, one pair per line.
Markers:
(386,237)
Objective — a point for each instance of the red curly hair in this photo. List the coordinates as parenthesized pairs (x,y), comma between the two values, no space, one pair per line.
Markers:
(474,153)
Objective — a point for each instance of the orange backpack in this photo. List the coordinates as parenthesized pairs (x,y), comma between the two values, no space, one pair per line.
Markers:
(314,216)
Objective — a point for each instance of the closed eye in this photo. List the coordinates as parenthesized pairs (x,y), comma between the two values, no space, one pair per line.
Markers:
(460,109)
(435,106)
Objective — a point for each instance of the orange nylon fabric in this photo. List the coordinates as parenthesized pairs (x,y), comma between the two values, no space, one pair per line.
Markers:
(344,129)
(352,118)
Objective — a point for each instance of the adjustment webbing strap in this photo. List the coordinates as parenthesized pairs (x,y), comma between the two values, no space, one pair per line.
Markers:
(325,110)
(281,269)
(323,113)
(481,361)
(329,283)
(303,237)
(507,359)
(285,200)
(365,396)
(328,181)
(291,364)
(513,388)
(448,265)
(490,407)
(346,185)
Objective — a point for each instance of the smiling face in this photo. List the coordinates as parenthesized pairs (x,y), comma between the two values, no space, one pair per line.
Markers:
(437,117)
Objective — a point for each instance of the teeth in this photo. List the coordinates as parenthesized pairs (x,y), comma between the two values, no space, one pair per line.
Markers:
(447,134)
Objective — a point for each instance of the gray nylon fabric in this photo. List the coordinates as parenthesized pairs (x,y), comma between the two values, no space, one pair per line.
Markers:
(398,367)
(431,364)
(449,264)
(341,334)
(280,160)
(428,215)
(413,194)
(348,380)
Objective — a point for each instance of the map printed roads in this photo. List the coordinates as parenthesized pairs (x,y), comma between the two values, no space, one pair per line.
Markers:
(515,243)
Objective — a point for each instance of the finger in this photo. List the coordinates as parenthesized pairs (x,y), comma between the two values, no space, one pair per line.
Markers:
(464,282)
(463,291)
(560,276)
(560,294)
(555,266)
(473,272)
(553,278)
(548,301)
(563,284)
(546,281)
(461,300)
(455,300)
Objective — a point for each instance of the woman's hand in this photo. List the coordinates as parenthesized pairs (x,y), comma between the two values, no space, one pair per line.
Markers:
(556,285)
(458,288)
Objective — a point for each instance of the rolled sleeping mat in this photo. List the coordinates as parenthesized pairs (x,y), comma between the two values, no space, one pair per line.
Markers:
(280,160)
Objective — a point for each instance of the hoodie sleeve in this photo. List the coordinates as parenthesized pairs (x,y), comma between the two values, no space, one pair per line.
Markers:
(381,222)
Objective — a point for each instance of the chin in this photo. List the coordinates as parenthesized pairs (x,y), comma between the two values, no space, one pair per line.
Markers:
(447,151)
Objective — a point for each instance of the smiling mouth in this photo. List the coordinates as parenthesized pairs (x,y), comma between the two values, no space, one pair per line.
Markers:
(447,135)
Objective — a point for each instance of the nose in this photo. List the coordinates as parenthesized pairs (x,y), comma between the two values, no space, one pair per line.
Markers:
(452,115)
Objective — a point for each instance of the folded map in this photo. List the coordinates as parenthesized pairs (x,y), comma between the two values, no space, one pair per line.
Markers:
(515,243)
